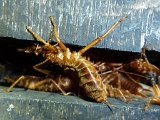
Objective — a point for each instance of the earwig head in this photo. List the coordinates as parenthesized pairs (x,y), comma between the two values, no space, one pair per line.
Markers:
(35,48)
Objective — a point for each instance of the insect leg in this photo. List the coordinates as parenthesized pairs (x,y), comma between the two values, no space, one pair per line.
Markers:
(59,41)
(62,91)
(148,104)
(14,83)
(36,67)
(98,39)
(155,99)
(36,36)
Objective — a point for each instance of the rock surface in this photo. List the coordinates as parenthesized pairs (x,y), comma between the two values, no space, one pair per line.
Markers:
(34,105)
(81,21)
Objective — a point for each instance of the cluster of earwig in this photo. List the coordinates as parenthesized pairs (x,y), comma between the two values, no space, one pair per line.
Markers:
(96,81)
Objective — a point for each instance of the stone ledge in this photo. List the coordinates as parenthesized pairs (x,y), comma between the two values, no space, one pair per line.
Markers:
(35,105)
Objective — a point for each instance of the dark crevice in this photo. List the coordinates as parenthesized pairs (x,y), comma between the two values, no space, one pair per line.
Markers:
(14,62)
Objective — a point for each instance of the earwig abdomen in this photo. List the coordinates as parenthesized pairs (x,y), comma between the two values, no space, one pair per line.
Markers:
(90,80)
(119,80)
(133,87)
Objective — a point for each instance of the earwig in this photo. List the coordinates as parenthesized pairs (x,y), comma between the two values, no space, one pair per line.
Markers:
(90,80)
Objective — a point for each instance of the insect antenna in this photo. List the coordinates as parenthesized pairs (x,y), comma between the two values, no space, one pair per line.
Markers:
(144,57)
(98,39)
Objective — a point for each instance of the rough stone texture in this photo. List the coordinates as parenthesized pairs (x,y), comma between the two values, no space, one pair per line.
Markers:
(34,105)
(80,21)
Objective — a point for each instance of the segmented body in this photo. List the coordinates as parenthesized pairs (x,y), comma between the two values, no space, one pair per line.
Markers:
(124,82)
(93,82)
(90,80)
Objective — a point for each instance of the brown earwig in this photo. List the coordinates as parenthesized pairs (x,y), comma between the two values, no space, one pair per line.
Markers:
(59,54)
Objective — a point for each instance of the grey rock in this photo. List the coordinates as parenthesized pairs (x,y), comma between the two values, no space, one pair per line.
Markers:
(81,21)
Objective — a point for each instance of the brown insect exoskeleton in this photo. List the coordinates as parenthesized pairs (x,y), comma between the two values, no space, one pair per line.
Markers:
(90,81)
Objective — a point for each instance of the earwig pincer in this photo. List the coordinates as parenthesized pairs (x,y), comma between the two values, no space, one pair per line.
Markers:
(89,79)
